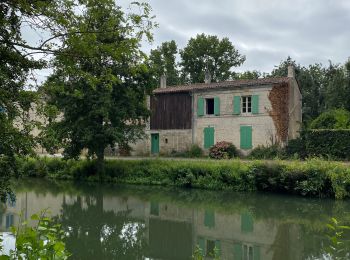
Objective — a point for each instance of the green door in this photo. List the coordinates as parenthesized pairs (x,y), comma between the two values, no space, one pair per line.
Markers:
(154,143)
(208,137)
(246,137)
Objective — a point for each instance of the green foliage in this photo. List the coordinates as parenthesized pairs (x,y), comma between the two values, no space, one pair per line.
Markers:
(195,151)
(43,241)
(254,74)
(199,255)
(223,150)
(101,78)
(163,61)
(209,52)
(334,144)
(315,178)
(339,247)
(267,152)
(296,148)
(333,119)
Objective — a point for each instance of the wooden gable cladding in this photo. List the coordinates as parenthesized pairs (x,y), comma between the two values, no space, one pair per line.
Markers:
(171,111)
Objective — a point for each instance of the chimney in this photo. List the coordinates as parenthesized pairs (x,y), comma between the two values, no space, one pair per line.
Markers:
(163,81)
(291,71)
(207,77)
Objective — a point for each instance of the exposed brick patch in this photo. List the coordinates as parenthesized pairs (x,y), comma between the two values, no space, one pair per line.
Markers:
(278,97)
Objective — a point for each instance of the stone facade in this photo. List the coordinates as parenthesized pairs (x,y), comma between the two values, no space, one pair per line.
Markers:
(267,122)
(227,125)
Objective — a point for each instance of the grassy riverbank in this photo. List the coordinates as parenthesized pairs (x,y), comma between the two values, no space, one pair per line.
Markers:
(315,178)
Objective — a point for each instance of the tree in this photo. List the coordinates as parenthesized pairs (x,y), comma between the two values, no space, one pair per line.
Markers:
(254,74)
(15,100)
(101,79)
(338,86)
(312,83)
(163,61)
(333,119)
(206,52)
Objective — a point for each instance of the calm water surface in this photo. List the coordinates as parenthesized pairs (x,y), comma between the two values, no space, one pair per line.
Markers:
(138,222)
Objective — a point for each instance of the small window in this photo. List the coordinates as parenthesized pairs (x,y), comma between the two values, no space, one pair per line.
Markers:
(166,140)
(246,104)
(210,106)
(248,252)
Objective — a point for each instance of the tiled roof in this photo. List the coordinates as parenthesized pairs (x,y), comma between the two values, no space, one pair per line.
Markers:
(224,84)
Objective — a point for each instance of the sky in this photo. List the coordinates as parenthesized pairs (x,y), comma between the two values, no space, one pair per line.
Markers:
(265,31)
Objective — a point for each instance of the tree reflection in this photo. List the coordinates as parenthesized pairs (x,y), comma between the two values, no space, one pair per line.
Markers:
(98,234)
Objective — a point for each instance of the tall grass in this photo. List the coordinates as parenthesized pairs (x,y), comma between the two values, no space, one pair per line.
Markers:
(316,178)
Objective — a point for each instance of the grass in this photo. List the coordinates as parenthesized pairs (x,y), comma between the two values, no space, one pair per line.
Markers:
(313,178)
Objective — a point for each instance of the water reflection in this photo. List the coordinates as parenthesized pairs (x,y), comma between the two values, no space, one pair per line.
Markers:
(118,222)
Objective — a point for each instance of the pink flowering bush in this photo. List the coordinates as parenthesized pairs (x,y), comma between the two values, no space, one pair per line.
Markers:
(223,150)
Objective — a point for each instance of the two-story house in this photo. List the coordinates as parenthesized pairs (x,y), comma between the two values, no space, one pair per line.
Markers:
(247,113)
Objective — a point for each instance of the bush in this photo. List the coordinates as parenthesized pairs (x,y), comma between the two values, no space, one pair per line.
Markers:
(195,151)
(270,152)
(333,144)
(43,241)
(296,147)
(315,177)
(223,150)
(333,119)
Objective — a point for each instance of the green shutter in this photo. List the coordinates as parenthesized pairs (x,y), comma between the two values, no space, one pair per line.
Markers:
(209,218)
(246,137)
(255,104)
(237,251)
(217,248)
(201,245)
(247,223)
(216,106)
(256,252)
(236,105)
(208,137)
(200,107)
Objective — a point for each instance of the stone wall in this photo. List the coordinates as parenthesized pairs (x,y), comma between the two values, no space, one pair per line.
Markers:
(295,111)
(169,141)
(227,125)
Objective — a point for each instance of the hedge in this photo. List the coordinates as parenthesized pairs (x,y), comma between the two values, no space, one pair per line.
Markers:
(330,143)
(315,178)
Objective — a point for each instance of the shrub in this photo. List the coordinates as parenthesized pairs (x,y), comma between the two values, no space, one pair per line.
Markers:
(195,151)
(333,119)
(296,147)
(333,144)
(43,241)
(222,150)
(314,177)
(267,152)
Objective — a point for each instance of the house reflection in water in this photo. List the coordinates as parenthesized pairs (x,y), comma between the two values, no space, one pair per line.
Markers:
(126,226)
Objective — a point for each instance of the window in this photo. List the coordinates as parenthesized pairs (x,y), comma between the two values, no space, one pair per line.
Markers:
(246,104)
(9,220)
(210,106)
(247,252)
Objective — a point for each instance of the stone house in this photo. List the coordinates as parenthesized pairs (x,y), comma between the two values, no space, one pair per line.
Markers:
(247,113)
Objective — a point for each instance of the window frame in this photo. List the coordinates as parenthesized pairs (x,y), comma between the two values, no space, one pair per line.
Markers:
(206,106)
(246,104)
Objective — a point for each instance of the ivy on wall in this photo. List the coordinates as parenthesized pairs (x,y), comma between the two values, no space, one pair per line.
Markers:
(278,97)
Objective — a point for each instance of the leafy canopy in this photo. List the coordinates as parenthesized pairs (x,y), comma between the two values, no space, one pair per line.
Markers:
(333,119)
(207,52)
(163,62)
(101,79)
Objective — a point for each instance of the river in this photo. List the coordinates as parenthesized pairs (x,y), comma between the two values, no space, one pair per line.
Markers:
(105,221)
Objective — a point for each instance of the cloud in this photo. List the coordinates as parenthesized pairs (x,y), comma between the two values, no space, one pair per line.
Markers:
(266,31)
